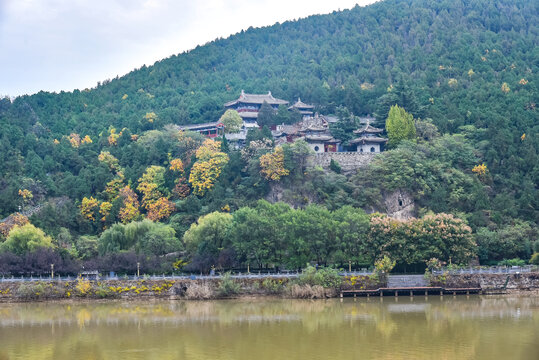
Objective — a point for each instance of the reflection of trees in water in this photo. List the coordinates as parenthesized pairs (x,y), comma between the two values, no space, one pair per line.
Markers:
(417,328)
(327,312)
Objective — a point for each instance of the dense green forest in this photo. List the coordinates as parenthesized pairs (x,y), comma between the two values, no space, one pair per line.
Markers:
(100,160)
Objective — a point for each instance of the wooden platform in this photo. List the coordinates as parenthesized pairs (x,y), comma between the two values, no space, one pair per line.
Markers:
(410,291)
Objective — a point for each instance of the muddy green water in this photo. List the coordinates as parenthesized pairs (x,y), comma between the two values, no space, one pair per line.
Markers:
(404,328)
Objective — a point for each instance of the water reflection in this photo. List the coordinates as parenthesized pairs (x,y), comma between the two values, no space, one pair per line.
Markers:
(403,328)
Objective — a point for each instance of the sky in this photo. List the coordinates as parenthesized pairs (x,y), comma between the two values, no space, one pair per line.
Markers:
(56,45)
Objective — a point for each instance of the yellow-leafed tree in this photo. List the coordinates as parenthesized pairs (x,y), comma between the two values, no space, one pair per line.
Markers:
(104,210)
(176,165)
(88,208)
(130,207)
(210,162)
(151,185)
(272,165)
(160,209)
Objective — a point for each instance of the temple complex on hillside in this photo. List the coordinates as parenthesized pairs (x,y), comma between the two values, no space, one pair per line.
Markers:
(304,109)
(313,128)
(248,105)
(368,139)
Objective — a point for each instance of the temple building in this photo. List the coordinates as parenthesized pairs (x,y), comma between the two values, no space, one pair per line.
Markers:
(314,130)
(368,140)
(304,109)
(211,130)
(248,105)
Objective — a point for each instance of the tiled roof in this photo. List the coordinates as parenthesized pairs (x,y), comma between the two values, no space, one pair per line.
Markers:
(301,105)
(201,126)
(368,140)
(317,123)
(324,138)
(368,129)
(256,99)
(290,129)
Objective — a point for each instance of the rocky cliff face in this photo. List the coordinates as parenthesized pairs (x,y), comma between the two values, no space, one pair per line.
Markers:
(399,205)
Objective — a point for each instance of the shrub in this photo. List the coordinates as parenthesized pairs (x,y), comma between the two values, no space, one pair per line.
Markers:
(535,259)
(307,291)
(325,277)
(83,286)
(384,265)
(39,290)
(273,286)
(512,262)
(335,166)
(103,291)
(228,286)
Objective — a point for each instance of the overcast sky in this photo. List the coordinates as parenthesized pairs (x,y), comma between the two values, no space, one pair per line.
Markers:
(58,45)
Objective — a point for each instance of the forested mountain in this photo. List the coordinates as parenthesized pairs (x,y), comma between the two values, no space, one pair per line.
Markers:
(467,67)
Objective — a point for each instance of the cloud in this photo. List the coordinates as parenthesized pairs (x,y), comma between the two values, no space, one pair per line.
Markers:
(65,44)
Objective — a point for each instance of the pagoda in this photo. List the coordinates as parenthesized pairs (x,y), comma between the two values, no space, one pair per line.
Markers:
(368,140)
(248,105)
(304,109)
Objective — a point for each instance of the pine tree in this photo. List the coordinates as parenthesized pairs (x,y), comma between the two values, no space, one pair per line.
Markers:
(266,115)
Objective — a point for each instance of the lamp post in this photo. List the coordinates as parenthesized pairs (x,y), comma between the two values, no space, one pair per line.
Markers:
(138,269)
(350,266)
(52,271)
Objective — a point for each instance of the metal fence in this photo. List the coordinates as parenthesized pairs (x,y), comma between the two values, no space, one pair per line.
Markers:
(284,274)
(218,275)
(488,270)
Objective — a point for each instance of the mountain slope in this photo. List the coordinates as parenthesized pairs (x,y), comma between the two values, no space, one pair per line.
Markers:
(453,57)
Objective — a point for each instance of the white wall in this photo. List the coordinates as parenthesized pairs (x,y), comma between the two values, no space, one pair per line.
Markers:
(319,145)
(367,148)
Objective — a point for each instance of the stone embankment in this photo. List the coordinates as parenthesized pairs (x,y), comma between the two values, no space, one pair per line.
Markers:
(490,282)
(215,288)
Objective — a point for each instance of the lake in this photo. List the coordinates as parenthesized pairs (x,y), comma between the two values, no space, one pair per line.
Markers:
(474,327)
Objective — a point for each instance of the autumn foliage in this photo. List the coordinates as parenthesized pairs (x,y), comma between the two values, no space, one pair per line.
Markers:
(210,163)
(130,205)
(88,207)
(11,221)
(160,209)
(272,165)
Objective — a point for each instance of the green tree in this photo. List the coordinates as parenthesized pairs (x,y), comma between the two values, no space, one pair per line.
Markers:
(251,236)
(266,115)
(207,238)
(24,239)
(87,247)
(160,239)
(232,121)
(344,128)
(400,126)
(143,236)
(352,227)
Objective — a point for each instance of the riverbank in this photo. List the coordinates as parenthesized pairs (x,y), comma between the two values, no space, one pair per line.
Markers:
(228,287)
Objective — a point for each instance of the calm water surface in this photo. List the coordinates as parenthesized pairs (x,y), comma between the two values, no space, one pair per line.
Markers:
(404,328)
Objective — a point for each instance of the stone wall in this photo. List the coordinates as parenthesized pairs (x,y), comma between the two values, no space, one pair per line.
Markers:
(524,281)
(349,161)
